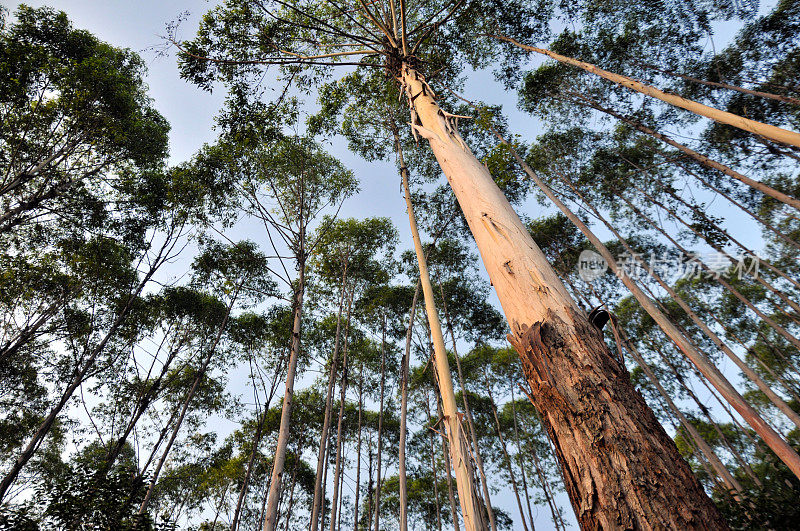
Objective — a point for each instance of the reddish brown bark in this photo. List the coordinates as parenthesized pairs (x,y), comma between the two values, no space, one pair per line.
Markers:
(621,469)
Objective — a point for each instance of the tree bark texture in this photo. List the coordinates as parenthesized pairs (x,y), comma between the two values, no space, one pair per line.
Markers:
(622,469)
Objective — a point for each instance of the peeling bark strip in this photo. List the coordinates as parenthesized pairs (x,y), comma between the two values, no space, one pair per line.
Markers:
(624,471)
(612,449)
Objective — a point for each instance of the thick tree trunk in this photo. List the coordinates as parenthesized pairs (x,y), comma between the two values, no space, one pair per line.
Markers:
(271,516)
(768,131)
(621,467)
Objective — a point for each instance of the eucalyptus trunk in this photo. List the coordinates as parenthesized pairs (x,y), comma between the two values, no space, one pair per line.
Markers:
(468,413)
(721,470)
(271,515)
(786,453)
(794,460)
(401,450)
(380,429)
(507,457)
(459,448)
(337,467)
(607,439)
(323,439)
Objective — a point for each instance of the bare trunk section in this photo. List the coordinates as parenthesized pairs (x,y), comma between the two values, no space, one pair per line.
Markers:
(358,445)
(551,502)
(750,373)
(505,454)
(721,470)
(767,131)
(468,413)
(445,452)
(326,423)
(519,456)
(767,95)
(459,448)
(271,515)
(251,460)
(403,488)
(433,465)
(620,466)
(380,428)
(337,468)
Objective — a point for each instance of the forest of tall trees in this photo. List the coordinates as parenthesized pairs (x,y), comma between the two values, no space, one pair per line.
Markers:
(596,326)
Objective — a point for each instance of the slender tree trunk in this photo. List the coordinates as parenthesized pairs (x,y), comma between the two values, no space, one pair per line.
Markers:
(750,373)
(195,384)
(702,159)
(736,242)
(380,427)
(710,419)
(433,466)
(370,490)
(403,488)
(445,453)
(505,453)
(251,460)
(768,131)
(468,413)
(77,380)
(519,456)
(340,511)
(337,470)
(271,516)
(773,439)
(551,502)
(291,495)
(459,452)
(323,439)
(768,95)
(721,470)
(609,443)
(358,445)
(174,435)
(764,223)
(219,507)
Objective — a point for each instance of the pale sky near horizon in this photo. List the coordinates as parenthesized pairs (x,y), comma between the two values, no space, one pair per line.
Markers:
(190,112)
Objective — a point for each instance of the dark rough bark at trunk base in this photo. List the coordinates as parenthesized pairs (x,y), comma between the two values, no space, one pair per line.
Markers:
(621,469)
